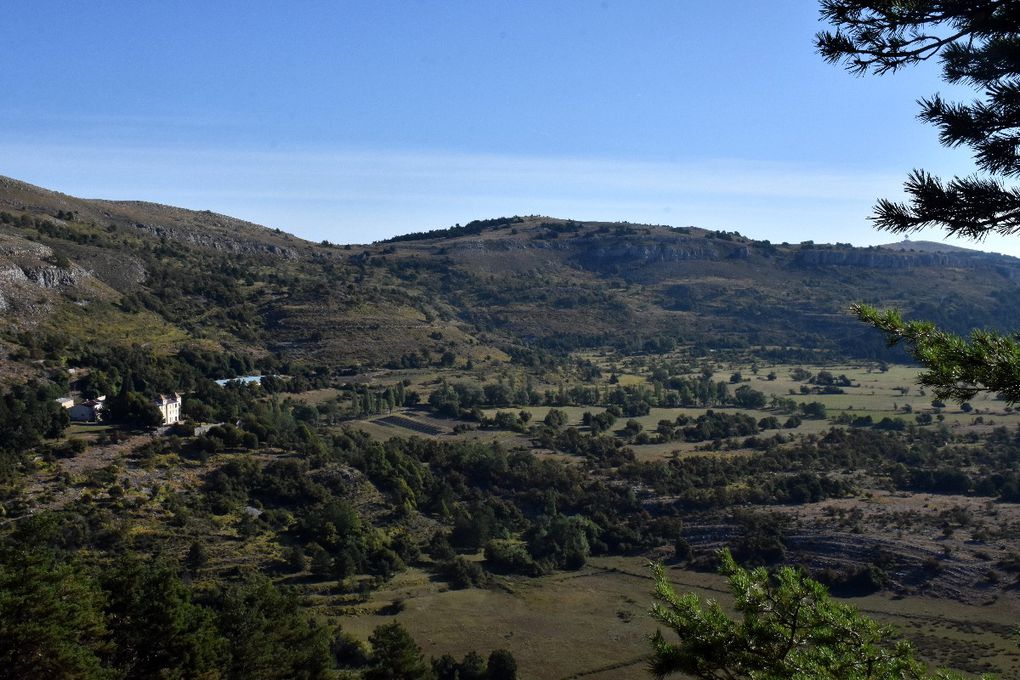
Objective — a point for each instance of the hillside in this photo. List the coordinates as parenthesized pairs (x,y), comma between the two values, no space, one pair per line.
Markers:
(147,274)
(494,426)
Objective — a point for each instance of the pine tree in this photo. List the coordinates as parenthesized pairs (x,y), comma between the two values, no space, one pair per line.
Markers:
(978,45)
(395,655)
(197,557)
(501,665)
(51,621)
(789,627)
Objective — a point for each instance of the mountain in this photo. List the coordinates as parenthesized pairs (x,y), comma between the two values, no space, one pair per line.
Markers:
(927,247)
(131,273)
(204,229)
(700,411)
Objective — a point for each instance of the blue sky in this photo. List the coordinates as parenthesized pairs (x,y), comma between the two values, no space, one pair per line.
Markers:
(355,121)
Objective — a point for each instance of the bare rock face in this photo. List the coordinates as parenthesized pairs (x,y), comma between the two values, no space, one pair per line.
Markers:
(120,271)
(29,277)
(594,252)
(886,258)
(874,259)
(598,254)
(214,241)
(11,273)
(55,277)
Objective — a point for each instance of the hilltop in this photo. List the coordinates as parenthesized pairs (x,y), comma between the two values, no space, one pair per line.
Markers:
(204,228)
(506,407)
(928,247)
(125,272)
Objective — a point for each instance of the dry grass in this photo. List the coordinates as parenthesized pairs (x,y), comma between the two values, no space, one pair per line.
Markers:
(594,624)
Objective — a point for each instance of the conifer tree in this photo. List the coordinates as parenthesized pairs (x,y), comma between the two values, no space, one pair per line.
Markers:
(395,655)
(978,45)
(788,627)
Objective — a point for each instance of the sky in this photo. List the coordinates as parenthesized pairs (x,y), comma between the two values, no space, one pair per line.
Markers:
(353,121)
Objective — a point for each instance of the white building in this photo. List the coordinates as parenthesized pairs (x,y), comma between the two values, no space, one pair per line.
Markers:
(170,407)
(66,402)
(90,411)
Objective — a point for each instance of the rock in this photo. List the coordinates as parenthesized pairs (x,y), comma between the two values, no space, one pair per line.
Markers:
(214,241)
(12,274)
(55,277)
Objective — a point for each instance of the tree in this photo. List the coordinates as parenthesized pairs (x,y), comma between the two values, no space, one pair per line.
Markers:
(748,397)
(28,413)
(294,556)
(789,628)
(157,630)
(51,620)
(556,418)
(134,409)
(976,42)
(197,557)
(395,655)
(502,665)
(268,635)
(472,667)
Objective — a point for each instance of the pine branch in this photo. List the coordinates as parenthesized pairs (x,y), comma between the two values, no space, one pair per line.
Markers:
(991,127)
(958,368)
(884,37)
(979,42)
(970,207)
(982,65)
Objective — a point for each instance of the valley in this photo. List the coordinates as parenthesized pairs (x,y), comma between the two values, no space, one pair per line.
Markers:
(486,433)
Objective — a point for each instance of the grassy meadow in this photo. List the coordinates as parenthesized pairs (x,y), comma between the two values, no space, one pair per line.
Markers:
(594,623)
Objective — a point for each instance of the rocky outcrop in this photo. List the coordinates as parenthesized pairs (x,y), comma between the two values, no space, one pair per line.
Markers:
(595,253)
(11,273)
(15,246)
(194,237)
(55,277)
(30,276)
(118,270)
(883,258)
(502,245)
(873,258)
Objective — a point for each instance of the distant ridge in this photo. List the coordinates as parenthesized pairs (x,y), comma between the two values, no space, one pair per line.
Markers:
(928,247)
(198,228)
(522,288)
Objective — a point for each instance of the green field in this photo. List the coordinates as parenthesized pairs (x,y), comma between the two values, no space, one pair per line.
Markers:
(893,393)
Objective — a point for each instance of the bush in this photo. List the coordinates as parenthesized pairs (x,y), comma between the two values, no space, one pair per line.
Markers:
(510,556)
(462,573)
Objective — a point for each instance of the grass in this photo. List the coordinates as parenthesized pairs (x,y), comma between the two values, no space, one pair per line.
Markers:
(543,621)
(79,429)
(593,623)
(106,324)
(875,393)
(321,396)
